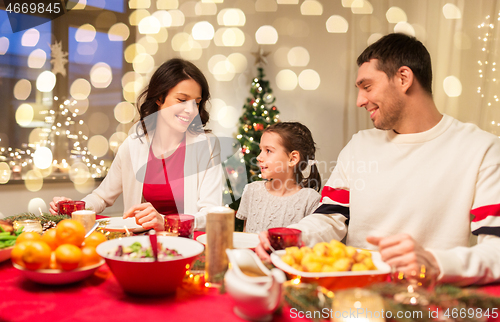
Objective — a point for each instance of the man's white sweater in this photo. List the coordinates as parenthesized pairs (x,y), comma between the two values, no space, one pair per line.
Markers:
(425,184)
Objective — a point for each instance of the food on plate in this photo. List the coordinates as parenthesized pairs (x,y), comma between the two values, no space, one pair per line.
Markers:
(138,252)
(328,257)
(57,248)
(6,226)
(8,235)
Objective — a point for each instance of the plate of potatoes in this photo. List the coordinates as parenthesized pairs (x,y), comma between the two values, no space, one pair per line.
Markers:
(332,265)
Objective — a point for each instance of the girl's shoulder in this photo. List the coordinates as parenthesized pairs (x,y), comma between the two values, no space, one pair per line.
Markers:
(311,193)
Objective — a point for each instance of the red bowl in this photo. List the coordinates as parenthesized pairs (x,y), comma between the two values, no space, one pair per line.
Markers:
(147,277)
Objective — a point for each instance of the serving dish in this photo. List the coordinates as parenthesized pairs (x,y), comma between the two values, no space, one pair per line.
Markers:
(118,224)
(337,280)
(240,240)
(146,276)
(57,276)
(5,253)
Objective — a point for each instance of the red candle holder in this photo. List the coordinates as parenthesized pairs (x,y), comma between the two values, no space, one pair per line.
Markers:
(68,206)
(183,225)
(282,238)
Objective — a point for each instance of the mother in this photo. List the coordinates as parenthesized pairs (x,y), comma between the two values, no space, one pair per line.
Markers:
(170,163)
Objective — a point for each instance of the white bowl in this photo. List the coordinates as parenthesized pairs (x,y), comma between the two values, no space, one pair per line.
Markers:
(57,276)
(147,277)
(337,280)
(240,240)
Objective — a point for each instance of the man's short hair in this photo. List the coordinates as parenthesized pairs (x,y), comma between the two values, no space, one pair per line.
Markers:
(395,50)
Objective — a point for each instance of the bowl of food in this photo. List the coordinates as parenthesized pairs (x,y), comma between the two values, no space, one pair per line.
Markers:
(131,261)
(332,265)
(57,276)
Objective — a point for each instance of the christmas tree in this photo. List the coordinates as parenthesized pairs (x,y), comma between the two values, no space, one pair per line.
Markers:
(258,113)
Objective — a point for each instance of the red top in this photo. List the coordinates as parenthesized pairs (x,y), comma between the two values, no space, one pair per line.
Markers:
(164,181)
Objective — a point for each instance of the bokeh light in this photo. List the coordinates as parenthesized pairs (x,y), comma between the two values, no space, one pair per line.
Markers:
(30,38)
(224,71)
(231,17)
(205,9)
(4,45)
(287,1)
(46,81)
(298,56)
(4,172)
(163,17)
(395,15)
(239,62)
(37,136)
(24,114)
(37,58)
(311,8)
(149,25)
(85,33)
(79,173)
(80,107)
(286,80)
(132,51)
(101,75)
(452,86)
(167,4)
(203,30)
(136,17)
(229,37)
(451,11)
(33,180)
(85,187)
(280,57)
(177,18)
(373,38)
(80,89)
(124,112)
(87,48)
(149,43)
(404,28)
(143,63)
(22,89)
(116,140)
(337,24)
(42,157)
(118,32)
(105,20)
(161,36)
(361,7)
(36,205)
(228,116)
(216,105)
(98,145)
(309,80)
(266,35)
(139,4)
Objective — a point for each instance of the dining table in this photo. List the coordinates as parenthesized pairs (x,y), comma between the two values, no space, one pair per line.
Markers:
(100,298)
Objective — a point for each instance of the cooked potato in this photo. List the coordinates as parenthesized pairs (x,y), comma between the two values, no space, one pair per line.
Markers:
(328,257)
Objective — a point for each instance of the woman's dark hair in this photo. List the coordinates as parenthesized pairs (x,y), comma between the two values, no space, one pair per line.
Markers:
(166,77)
(395,50)
(297,137)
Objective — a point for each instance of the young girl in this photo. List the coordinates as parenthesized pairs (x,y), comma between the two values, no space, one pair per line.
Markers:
(292,181)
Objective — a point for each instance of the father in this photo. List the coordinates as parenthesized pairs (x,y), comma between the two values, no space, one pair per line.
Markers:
(410,185)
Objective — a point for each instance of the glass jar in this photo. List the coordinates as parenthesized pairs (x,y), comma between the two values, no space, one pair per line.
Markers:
(29,225)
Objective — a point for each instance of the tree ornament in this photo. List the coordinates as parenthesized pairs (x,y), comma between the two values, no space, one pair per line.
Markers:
(260,56)
(58,58)
(259,127)
(268,98)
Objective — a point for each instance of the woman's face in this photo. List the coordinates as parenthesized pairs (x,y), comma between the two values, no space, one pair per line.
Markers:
(181,105)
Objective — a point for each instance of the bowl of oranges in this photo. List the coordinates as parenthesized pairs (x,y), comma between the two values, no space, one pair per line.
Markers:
(61,255)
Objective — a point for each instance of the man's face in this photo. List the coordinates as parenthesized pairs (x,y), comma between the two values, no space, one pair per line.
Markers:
(379,96)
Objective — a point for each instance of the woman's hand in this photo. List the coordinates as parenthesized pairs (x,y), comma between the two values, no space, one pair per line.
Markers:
(263,247)
(53,205)
(146,216)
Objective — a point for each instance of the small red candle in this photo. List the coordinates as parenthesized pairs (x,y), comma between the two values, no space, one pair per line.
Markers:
(180,224)
(68,206)
(282,238)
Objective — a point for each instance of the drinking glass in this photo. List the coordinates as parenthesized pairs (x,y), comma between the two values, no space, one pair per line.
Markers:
(418,284)
(282,238)
(183,225)
(68,206)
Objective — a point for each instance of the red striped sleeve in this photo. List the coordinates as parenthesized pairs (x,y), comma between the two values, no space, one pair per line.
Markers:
(337,195)
(485,211)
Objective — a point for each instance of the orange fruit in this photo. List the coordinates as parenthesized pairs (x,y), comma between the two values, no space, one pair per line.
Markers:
(28,235)
(53,262)
(68,256)
(36,255)
(70,231)
(17,252)
(89,256)
(50,237)
(95,239)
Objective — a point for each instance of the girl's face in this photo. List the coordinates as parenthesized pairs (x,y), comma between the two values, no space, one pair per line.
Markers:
(181,105)
(274,160)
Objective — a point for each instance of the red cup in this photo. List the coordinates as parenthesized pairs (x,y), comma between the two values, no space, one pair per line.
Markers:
(68,206)
(282,238)
(183,225)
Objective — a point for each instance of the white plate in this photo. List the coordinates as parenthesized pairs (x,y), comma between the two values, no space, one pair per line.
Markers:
(57,276)
(5,253)
(240,240)
(118,224)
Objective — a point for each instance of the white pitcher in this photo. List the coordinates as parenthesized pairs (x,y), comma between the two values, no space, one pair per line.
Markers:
(256,290)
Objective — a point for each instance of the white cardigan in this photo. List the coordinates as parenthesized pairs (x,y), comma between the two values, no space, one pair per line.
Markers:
(203,175)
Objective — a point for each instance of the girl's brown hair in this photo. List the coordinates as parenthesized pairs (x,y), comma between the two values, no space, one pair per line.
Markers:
(297,137)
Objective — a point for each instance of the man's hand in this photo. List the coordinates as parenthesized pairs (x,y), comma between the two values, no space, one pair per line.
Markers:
(53,205)
(263,247)
(404,253)
(146,216)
